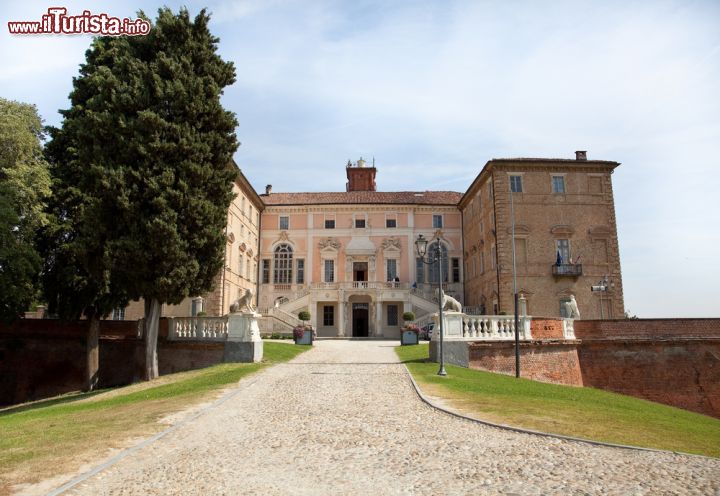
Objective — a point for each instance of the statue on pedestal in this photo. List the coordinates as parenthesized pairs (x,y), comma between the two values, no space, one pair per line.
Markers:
(243,303)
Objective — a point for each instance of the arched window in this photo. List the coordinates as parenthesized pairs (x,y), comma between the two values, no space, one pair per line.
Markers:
(433,268)
(283,264)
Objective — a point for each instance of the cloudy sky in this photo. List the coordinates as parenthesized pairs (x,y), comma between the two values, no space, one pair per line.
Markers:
(433,90)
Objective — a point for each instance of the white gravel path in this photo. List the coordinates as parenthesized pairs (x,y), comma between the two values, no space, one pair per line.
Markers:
(343,418)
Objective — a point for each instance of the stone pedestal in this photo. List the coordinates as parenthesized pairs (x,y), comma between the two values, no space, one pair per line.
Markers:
(244,343)
(452,325)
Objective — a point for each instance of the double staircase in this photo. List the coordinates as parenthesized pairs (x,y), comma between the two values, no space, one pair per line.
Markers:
(285,310)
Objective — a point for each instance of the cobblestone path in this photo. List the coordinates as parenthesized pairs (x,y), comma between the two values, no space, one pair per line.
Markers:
(344,419)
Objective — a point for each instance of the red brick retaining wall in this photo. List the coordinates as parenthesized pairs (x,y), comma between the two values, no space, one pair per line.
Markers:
(41,358)
(647,328)
(682,373)
(542,361)
(671,361)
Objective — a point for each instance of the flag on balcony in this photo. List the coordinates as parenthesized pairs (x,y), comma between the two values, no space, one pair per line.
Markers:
(559,259)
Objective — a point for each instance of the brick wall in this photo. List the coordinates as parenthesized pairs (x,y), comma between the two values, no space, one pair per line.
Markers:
(541,361)
(647,328)
(546,328)
(41,358)
(682,373)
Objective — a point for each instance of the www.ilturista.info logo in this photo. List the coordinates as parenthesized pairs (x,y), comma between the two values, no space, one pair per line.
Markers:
(56,21)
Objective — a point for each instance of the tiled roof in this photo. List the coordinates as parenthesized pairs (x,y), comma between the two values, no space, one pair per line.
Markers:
(364,197)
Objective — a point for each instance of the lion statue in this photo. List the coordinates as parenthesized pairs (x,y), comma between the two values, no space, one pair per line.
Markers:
(448,302)
(243,303)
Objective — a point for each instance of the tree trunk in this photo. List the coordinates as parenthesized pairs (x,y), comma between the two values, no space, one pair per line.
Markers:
(92,354)
(152,325)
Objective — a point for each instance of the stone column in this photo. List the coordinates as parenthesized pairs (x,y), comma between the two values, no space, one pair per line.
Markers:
(243,341)
(378,318)
(341,313)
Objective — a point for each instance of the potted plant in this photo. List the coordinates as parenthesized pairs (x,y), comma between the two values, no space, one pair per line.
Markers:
(304,333)
(409,334)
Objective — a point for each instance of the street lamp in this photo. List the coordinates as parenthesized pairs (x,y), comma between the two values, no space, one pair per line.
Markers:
(421,245)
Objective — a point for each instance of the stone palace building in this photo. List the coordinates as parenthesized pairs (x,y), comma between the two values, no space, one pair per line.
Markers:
(349,257)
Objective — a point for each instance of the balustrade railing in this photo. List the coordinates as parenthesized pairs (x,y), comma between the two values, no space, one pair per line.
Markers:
(198,328)
(494,327)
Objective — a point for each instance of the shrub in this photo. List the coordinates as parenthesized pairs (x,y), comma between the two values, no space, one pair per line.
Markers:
(201,314)
(408,316)
(304,315)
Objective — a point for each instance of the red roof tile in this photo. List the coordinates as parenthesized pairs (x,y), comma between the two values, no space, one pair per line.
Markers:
(364,197)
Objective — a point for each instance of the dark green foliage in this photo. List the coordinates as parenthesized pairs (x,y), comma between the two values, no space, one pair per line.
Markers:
(304,315)
(24,187)
(147,125)
(407,316)
(147,149)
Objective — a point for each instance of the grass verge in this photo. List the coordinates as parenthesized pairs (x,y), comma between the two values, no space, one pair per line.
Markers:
(572,411)
(59,435)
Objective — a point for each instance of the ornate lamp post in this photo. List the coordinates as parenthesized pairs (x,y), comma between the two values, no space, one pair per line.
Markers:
(421,245)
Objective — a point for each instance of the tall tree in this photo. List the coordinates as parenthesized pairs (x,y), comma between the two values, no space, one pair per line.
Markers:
(24,187)
(75,247)
(147,125)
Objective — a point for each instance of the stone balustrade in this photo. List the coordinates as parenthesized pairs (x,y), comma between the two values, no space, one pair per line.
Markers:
(494,327)
(463,327)
(198,329)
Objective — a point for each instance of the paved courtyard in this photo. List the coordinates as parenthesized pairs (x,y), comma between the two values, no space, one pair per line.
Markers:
(343,418)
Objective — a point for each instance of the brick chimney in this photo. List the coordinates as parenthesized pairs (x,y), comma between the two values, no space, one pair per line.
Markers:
(581,155)
(268,189)
(361,178)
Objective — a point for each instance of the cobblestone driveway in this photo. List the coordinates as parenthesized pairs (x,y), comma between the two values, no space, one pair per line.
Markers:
(344,419)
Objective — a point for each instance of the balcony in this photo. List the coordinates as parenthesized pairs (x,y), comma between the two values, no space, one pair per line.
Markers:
(571,270)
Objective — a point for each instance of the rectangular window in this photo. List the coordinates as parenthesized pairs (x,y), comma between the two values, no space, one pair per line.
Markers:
(562,247)
(284,222)
(360,223)
(419,271)
(266,271)
(516,184)
(437,221)
(482,263)
(391,265)
(329,223)
(119,313)
(300,271)
(390,223)
(240,264)
(563,308)
(492,257)
(329,270)
(392,315)
(455,269)
(328,315)
(558,184)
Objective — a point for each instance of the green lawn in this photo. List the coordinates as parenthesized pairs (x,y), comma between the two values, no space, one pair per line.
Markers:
(573,411)
(50,437)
